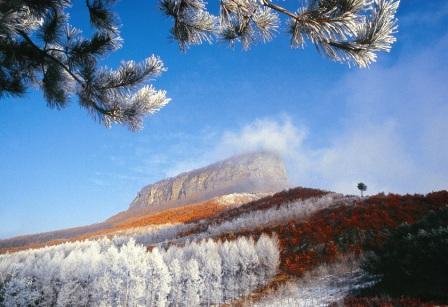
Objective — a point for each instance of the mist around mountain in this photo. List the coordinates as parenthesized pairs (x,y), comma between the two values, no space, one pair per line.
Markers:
(250,173)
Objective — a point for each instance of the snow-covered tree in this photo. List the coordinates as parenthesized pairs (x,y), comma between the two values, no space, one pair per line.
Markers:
(20,291)
(268,255)
(211,272)
(230,269)
(39,47)
(175,296)
(75,276)
(192,282)
(248,264)
(158,280)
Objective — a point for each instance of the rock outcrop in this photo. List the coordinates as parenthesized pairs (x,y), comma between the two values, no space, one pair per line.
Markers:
(248,173)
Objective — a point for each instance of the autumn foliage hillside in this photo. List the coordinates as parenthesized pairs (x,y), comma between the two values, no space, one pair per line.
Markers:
(350,229)
(346,228)
(184,214)
(312,228)
(270,202)
(208,212)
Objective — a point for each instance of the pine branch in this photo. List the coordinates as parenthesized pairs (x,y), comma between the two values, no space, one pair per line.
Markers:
(336,27)
(39,47)
(49,56)
(279,9)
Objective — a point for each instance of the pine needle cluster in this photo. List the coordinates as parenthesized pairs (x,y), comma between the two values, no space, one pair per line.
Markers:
(347,31)
(39,47)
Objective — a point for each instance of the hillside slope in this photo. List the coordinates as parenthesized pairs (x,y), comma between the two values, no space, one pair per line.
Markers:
(245,175)
(184,214)
(301,246)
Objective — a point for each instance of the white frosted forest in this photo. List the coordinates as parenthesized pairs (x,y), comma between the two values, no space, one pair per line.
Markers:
(100,273)
(180,270)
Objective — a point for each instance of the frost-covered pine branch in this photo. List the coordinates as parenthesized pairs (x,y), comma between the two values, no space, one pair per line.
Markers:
(38,47)
(347,31)
(192,23)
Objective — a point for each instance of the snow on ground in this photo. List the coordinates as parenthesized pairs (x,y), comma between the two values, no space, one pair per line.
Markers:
(319,287)
(238,199)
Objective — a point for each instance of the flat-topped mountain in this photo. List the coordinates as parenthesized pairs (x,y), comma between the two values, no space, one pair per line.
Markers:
(260,172)
(249,173)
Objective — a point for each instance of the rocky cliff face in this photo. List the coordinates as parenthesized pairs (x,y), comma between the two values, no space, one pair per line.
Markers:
(256,172)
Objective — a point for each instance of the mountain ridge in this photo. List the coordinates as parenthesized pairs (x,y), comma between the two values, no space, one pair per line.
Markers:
(251,173)
(264,172)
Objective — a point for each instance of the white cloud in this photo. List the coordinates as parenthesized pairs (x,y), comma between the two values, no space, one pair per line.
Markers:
(393,134)
(280,136)
(373,153)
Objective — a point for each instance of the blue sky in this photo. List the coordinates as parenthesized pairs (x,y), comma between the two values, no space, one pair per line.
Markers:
(333,125)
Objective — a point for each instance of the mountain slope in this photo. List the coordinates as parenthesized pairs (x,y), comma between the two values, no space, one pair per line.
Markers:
(301,246)
(184,214)
(250,173)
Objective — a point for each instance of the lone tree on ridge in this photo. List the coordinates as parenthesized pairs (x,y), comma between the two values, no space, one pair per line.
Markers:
(362,187)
